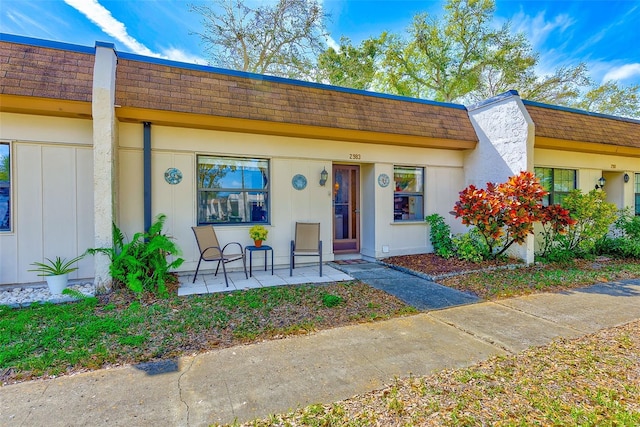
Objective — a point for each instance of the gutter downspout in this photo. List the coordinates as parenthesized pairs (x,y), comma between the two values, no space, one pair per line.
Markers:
(147,175)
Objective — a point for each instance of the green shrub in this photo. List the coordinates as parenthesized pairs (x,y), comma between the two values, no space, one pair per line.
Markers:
(471,246)
(558,254)
(624,239)
(593,215)
(620,247)
(330,300)
(142,265)
(440,235)
(628,224)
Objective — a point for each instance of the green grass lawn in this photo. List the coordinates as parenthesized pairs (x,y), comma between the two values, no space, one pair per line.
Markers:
(46,340)
(52,339)
(541,278)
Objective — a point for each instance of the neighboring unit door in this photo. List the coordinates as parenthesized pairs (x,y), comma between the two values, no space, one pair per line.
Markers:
(346,208)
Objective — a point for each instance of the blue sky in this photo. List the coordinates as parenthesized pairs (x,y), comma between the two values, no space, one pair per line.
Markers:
(603,34)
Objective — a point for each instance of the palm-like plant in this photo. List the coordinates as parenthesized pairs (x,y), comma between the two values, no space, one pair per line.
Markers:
(56,267)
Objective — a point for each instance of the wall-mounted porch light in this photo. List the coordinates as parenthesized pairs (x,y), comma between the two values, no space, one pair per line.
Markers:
(626,177)
(324,176)
(601,182)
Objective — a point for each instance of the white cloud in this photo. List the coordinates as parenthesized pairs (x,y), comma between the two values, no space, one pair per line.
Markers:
(624,72)
(176,54)
(537,28)
(332,43)
(26,23)
(100,16)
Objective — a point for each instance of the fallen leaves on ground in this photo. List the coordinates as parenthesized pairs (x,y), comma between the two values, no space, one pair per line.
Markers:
(496,279)
(593,380)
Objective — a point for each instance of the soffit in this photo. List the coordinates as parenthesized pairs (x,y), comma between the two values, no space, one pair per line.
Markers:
(230,124)
(45,106)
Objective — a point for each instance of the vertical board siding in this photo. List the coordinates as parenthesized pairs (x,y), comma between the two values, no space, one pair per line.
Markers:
(53,210)
(28,223)
(177,201)
(59,203)
(84,210)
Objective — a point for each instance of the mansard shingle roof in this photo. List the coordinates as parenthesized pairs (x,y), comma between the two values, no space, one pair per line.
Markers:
(580,126)
(44,72)
(213,92)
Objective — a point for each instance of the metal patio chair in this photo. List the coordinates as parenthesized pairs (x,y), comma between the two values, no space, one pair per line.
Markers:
(211,250)
(306,243)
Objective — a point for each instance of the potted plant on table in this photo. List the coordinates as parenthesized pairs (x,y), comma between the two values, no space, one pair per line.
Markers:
(258,233)
(56,272)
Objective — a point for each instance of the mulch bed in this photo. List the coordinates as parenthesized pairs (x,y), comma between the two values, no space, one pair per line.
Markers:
(434,265)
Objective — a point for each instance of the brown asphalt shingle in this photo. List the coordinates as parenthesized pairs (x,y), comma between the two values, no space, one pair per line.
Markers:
(573,126)
(44,72)
(164,87)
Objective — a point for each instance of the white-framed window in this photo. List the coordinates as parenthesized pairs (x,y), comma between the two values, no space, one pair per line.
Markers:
(5,186)
(232,190)
(558,182)
(408,196)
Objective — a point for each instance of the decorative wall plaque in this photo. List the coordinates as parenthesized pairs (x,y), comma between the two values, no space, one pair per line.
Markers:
(299,182)
(173,176)
(383,180)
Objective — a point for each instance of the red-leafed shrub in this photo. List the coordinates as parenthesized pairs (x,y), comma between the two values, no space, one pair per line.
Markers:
(555,221)
(505,213)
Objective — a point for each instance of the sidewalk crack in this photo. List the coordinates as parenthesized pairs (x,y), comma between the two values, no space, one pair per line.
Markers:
(182,399)
(535,316)
(472,334)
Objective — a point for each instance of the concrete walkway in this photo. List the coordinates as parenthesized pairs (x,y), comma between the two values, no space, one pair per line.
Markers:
(245,382)
(416,291)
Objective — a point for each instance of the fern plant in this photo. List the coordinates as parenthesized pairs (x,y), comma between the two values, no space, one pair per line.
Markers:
(141,264)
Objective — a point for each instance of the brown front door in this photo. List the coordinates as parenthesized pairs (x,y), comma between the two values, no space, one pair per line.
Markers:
(346,208)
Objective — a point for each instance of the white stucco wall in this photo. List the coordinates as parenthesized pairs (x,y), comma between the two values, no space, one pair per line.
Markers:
(506,135)
(506,138)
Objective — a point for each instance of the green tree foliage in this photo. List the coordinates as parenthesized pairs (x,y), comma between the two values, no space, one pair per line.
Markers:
(349,66)
(280,38)
(5,171)
(611,98)
(563,87)
(462,57)
(448,58)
